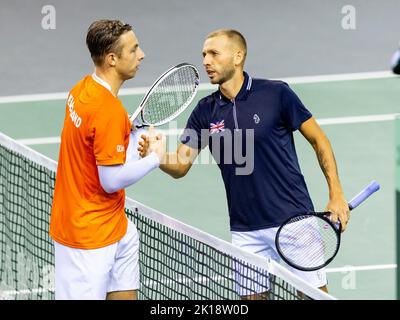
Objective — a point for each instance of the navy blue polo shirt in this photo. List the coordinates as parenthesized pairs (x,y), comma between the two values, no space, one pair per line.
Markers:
(251,139)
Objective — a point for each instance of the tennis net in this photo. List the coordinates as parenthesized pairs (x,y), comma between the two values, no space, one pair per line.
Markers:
(177,261)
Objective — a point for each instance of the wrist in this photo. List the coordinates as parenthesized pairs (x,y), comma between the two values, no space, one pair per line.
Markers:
(154,159)
(335,194)
(335,190)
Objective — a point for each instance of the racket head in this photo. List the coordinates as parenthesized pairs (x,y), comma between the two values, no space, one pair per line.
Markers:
(169,96)
(308,242)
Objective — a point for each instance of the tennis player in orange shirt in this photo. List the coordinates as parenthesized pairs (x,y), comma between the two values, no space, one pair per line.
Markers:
(96,247)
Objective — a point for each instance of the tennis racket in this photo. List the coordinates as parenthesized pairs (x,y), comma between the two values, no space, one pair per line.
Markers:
(311,241)
(168,97)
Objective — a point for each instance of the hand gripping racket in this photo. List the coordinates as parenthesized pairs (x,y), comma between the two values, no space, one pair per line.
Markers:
(169,96)
(311,241)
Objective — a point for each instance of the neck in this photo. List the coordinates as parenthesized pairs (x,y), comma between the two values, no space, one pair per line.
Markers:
(231,88)
(109,76)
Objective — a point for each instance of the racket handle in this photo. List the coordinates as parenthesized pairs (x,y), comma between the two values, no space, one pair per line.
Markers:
(364,194)
(134,115)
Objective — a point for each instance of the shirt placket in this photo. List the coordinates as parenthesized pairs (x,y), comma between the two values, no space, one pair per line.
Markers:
(235,114)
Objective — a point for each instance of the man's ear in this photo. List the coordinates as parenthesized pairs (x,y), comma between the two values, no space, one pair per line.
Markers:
(239,56)
(111,59)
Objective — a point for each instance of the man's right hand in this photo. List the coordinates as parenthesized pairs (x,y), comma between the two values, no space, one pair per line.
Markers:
(157,143)
(143,147)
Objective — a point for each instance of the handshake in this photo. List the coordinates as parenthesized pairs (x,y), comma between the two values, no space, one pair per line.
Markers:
(153,142)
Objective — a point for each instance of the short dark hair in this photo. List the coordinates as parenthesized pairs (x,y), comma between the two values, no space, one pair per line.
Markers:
(103,37)
(231,34)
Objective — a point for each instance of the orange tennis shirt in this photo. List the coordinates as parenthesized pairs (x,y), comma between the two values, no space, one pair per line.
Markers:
(96,132)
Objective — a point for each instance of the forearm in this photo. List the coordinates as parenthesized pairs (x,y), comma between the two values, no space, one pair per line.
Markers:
(328,166)
(114,178)
(337,204)
(174,165)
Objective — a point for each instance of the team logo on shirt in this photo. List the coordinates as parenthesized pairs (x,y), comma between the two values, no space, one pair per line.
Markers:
(76,119)
(120,148)
(217,126)
(256,118)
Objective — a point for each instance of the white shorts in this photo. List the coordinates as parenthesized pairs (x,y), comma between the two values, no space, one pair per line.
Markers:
(262,242)
(82,274)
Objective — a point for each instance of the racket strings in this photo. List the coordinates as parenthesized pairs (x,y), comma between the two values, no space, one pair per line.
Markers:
(171,95)
(308,241)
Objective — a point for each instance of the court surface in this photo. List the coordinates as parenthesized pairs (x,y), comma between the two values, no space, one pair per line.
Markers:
(357,116)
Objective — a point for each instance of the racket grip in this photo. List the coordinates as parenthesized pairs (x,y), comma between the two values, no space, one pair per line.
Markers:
(364,194)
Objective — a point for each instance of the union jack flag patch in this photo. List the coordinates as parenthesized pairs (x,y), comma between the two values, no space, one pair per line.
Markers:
(217,126)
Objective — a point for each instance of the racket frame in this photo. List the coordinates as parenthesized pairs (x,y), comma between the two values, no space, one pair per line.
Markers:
(365,193)
(156,83)
(337,227)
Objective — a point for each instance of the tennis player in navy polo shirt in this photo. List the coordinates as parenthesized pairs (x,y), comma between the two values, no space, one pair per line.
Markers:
(256,117)
(395,61)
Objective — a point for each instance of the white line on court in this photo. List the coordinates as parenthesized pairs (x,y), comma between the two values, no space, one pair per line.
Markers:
(38,141)
(208,86)
(340,77)
(177,132)
(358,119)
(362,268)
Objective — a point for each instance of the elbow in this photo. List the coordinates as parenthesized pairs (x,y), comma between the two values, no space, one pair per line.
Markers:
(109,189)
(316,143)
(320,144)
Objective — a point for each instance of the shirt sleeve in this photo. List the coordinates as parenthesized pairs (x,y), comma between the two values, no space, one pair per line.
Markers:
(111,136)
(294,112)
(196,132)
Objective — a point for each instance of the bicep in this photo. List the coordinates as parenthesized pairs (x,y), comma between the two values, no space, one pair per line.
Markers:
(107,176)
(110,138)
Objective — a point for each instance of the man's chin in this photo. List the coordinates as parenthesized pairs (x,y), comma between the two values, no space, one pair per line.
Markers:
(129,76)
(214,81)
